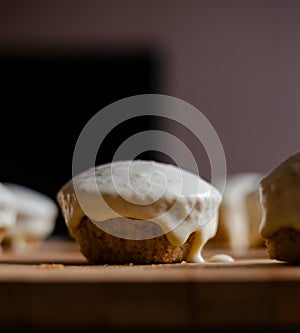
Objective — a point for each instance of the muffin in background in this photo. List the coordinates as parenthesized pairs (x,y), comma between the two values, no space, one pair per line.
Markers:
(8,211)
(240,214)
(280,198)
(35,219)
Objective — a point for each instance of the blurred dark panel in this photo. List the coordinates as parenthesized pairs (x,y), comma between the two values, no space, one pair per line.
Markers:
(46,100)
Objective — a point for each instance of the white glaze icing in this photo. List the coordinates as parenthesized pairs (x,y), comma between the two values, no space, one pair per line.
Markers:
(220,257)
(36,213)
(180,202)
(280,197)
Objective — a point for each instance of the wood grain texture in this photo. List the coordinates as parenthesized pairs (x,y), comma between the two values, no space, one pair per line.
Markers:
(55,288)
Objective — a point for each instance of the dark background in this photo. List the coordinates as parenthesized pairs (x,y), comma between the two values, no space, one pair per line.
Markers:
(46,100)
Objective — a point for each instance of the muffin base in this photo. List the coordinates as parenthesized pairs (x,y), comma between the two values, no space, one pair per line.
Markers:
(284,245)
(100,247)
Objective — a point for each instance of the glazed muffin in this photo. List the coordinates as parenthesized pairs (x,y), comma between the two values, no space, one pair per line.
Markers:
(140,212)
(240,213)
(8,212)
(36,217)
(280,198)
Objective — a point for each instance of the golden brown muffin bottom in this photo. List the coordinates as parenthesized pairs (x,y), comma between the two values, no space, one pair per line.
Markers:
(284,245)
(100,247)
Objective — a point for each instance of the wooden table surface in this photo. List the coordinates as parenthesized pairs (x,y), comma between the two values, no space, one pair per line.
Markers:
(54,287)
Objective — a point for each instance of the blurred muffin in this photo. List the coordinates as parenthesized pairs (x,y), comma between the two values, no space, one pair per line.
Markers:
(139,212)
(8,212)
(36,216)
(240,213)
(280,198)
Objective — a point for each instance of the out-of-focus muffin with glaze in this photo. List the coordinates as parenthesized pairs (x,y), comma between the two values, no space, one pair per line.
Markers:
(36,216)
(8,211)
(280,198)
(240,214)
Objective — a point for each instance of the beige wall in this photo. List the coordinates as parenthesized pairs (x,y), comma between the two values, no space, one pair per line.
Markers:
(237,61)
